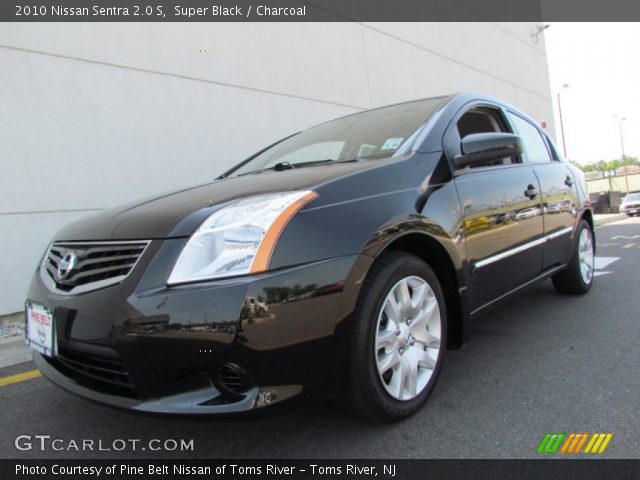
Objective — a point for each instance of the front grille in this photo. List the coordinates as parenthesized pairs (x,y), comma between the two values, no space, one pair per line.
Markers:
(80,267)
(100,373)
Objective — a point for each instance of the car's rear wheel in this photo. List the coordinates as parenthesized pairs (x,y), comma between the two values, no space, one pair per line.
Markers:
(577,278)
(397,340)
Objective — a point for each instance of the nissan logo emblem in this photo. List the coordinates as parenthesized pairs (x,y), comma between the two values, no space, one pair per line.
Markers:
(66,265)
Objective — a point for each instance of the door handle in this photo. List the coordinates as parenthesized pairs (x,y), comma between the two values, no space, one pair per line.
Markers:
(568,181)
(531,192)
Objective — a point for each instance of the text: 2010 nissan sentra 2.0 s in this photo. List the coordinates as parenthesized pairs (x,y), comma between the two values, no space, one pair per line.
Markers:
(340,261)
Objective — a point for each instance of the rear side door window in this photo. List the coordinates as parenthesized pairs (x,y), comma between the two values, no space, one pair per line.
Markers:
(534,147)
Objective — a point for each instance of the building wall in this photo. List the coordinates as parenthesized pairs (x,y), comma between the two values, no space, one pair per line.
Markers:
(615,184)
(98,114)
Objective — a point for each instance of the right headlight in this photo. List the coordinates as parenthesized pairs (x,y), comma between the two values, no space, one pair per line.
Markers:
(239,238)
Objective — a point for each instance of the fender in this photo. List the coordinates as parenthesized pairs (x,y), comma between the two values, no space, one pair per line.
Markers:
(423,237)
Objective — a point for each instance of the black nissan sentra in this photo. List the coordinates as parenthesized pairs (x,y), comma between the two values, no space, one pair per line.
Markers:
(338,262)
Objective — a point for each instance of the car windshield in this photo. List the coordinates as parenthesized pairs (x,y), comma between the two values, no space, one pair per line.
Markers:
(632,197)
(372,134)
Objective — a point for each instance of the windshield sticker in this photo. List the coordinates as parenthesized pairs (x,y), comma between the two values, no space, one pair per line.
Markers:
(391,143)
(366,149)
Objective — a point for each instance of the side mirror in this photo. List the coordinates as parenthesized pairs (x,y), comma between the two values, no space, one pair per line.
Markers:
(478,148)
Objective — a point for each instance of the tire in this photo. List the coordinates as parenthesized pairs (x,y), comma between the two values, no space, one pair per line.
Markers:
(372,390)
(577,278)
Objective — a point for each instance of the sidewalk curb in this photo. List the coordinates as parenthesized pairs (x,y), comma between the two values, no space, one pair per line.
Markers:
(613,218)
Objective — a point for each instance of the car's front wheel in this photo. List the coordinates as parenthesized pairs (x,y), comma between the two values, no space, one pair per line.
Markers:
(397,340)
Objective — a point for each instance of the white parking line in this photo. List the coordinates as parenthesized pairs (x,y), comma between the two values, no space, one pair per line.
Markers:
(604,262)
(626,237)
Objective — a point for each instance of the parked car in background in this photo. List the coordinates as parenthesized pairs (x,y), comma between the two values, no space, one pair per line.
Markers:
(338,262)
(631,204)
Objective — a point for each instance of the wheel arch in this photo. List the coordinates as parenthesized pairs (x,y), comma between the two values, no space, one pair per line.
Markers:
(587,215)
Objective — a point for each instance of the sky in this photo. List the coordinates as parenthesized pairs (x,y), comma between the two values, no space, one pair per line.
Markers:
(601,64)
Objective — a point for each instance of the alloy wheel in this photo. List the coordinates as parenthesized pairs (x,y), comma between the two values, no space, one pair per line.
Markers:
(407,338)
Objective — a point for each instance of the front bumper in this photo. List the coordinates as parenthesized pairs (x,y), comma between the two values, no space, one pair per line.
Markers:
(144,346)
(202,401)
(630,209)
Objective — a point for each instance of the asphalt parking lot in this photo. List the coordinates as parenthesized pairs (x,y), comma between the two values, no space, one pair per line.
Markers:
(541,363)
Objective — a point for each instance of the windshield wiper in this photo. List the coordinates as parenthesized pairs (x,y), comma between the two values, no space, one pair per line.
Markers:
(288,166)
(280,166)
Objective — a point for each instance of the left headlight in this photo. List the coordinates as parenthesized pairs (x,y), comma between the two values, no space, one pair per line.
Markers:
(239,238)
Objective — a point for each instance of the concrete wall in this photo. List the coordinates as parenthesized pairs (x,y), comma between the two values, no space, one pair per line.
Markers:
(615,184)
(98,114)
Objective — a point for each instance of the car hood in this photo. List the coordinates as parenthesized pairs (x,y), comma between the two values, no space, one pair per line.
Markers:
(179,213)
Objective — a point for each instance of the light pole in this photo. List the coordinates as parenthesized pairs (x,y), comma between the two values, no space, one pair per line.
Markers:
(564,142)
(624,157)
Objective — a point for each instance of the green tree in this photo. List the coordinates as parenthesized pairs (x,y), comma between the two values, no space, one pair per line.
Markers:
(577,165)
(602,165)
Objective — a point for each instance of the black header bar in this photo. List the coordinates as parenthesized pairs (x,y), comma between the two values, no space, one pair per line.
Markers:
(317,10)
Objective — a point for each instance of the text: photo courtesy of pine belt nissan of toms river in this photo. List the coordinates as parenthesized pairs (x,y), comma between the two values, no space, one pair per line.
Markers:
(338,262)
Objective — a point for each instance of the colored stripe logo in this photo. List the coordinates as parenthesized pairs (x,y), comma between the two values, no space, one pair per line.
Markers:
(550,442)
(598,443)
(573,443)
